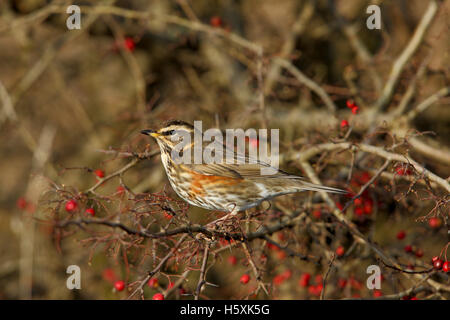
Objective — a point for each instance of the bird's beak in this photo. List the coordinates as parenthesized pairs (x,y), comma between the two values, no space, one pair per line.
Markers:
(150,132)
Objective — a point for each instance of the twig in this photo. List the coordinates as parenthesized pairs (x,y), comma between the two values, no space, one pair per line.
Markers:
(255,269)
(302,78)
(427,102)
(324,281)
(407,53)
(365,186)
(158,267)
(202,277)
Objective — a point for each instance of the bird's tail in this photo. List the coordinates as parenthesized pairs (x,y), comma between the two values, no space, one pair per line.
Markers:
(308,186)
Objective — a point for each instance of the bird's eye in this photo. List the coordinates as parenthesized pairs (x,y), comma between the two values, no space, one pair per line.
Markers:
(169,133)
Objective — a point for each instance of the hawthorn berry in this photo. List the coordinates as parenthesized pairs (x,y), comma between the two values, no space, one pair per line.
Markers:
(355,110)
(153,283)
(350,103)
(21,203)
(287,274)
(278,279)
(99,173)
(119,285)
(245,278)
(120,189)
(419,253)
(437,264)
(90,211)
(359,211)
(158,296)
(318,279)
(408,248)
(232,260)
(215,21)
(129,44)
(109,275)
(315,290)
(71,205)
(340,251)
(344,124)
(317,214)
(281,255)
(377,293)
(358,202)
(402,171)
(445,266)
(304,280)
(342,283)
(401,235)
(434,222)
(368,207)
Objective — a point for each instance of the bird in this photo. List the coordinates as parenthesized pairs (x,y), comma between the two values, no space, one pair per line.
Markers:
(223,186)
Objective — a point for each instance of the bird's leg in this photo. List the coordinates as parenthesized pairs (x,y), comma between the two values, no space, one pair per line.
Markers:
(233,212)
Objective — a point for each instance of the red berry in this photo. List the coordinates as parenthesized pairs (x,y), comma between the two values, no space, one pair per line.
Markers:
(215,21)
(434,259)
(355,110)
(413,298)
(358,202)
(368,207)
(342,283)
(71,205)
(401,235)
(120,189)
(434,222)
(355,284)
(99,173)
(315,290)
(318,279)
(340,251)
(245,278)
(119,285)
(153,283)
(350,103)
(171,284)
(359,211)
(21,203)
(109,275)
(278,279)
(281,255)
(304,280)
(167,215)
(437,264)
(402,171)
(419,253)
(344,123)
(287,274)
(408,248)
(445,266)
(129,44)
(377,293)
(232,260)
(158,296)
(90,211)
(317,214)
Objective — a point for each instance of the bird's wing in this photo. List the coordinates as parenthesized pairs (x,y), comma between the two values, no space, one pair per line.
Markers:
(240,171)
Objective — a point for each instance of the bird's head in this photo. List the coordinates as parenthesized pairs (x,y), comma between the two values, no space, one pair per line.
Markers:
(171,134)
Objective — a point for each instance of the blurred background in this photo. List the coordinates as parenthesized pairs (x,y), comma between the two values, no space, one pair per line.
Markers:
(72,98)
